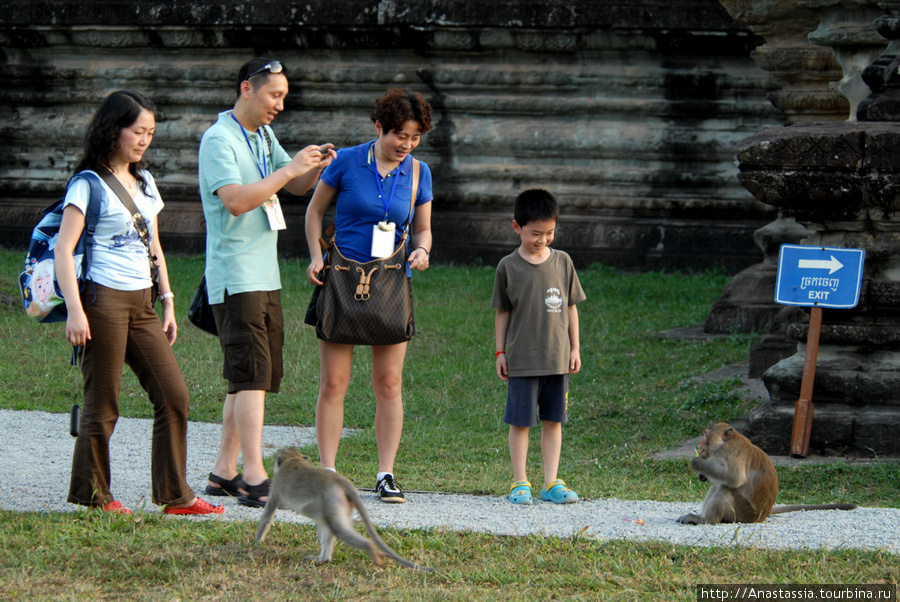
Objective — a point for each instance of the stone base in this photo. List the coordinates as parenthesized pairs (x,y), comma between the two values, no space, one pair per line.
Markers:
(768,352)
(867,432)
(856,401)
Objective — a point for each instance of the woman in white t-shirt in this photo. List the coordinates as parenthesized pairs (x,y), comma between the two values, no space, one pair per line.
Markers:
(113,320)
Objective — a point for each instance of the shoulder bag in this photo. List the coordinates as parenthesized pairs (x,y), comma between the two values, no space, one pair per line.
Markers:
(200,312)
(367,303)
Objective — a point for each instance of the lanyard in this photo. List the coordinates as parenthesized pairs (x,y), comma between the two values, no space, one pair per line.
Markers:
(386,203)
(264,168)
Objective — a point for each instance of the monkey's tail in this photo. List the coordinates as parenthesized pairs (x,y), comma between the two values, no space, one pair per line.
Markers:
(802,507)
(353,494)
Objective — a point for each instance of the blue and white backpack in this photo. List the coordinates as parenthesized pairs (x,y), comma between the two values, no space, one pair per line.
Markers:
(41,294)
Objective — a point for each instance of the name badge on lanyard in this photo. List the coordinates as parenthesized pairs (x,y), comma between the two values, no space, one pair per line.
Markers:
(272,206)
(383,237)
(384,232)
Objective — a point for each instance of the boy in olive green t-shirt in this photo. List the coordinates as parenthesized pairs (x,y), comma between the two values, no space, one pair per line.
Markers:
(536,327)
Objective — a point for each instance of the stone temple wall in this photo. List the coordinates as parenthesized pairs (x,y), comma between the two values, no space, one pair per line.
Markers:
(628,111)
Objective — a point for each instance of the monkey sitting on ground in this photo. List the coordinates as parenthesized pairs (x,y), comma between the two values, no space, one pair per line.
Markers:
(328,499)
(744,481)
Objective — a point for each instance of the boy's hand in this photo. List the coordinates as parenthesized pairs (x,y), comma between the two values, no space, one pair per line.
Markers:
(574,362)
(502,369)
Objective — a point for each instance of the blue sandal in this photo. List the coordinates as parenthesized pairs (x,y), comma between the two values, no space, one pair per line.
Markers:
(558,493)
(520,493)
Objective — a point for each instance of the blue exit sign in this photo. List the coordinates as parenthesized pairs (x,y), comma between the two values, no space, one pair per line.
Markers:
(819,276)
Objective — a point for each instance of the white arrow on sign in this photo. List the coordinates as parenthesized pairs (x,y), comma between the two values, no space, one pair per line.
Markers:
(832,265)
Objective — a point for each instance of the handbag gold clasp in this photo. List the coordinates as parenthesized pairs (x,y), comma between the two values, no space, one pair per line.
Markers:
(362,289)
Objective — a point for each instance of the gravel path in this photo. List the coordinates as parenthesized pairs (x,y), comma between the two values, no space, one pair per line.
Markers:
(36,451)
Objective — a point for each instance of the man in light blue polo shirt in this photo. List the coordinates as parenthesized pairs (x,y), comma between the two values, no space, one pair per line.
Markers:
(242,168)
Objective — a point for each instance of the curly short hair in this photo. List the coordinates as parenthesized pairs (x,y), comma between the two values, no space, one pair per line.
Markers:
(398,106)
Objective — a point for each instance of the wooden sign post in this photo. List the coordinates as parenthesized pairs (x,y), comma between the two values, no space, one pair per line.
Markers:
(815,277)
(803,409)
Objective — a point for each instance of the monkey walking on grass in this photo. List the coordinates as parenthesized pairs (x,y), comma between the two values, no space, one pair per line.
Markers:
(744,481)
(328,499)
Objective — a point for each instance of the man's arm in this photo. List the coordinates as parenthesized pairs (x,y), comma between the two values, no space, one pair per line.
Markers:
(301,185)
(298,175)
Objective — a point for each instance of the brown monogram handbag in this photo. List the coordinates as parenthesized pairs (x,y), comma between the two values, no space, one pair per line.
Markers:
(367,303)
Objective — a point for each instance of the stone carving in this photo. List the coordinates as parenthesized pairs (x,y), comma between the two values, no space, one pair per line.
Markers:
(883,75)
(846,27)
(627,110)
(804,69)
(747,304)
(840,181)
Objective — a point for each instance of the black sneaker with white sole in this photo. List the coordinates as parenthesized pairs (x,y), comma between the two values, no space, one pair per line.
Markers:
(389,491)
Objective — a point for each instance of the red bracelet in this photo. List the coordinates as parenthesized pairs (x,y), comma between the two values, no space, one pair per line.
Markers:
(498,353)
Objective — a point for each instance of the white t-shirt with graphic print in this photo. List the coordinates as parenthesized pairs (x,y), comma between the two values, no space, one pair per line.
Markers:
(119,258)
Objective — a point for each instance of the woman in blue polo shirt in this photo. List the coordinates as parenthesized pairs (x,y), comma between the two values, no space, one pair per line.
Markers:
(371,183)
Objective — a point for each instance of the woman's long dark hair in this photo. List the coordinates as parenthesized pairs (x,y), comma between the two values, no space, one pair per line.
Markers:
(117,111)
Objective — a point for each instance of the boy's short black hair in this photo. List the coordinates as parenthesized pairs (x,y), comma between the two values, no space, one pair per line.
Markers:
(534,205)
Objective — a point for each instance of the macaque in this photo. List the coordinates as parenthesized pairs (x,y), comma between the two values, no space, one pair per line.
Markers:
(744,481)
(328,499)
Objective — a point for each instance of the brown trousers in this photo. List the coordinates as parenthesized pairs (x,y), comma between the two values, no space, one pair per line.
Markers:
(126,329)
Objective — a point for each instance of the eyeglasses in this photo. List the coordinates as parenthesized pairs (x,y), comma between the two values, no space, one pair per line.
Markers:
(273,67)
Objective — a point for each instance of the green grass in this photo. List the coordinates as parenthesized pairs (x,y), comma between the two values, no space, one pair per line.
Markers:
(635,396)
(85,556)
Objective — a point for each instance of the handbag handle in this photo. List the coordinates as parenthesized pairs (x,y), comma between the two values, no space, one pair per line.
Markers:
(412,201)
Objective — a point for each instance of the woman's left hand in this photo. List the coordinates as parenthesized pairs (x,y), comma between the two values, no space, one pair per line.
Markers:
(418,260)
(170,327)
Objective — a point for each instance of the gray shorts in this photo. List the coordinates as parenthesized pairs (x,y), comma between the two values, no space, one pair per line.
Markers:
(537,397)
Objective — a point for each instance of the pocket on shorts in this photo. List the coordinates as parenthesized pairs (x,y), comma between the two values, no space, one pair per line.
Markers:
(237,347)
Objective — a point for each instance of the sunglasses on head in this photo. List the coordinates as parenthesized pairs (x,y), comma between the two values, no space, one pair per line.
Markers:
(273,67)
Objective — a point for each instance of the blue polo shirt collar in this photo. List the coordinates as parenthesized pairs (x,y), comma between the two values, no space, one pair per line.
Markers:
(365,159)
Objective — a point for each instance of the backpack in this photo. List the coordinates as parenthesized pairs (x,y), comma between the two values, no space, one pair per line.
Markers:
(41,295)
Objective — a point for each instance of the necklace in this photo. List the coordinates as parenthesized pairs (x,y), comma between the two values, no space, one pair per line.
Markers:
(125,177)
(386,165)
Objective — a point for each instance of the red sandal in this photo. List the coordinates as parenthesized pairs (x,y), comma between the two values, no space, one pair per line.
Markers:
(198,507)
(115,508)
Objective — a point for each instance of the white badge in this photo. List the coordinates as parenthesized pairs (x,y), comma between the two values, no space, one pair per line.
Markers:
(272,207)
(383,235)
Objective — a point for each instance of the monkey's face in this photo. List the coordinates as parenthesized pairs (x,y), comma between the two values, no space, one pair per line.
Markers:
(717,436)
(703,444)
